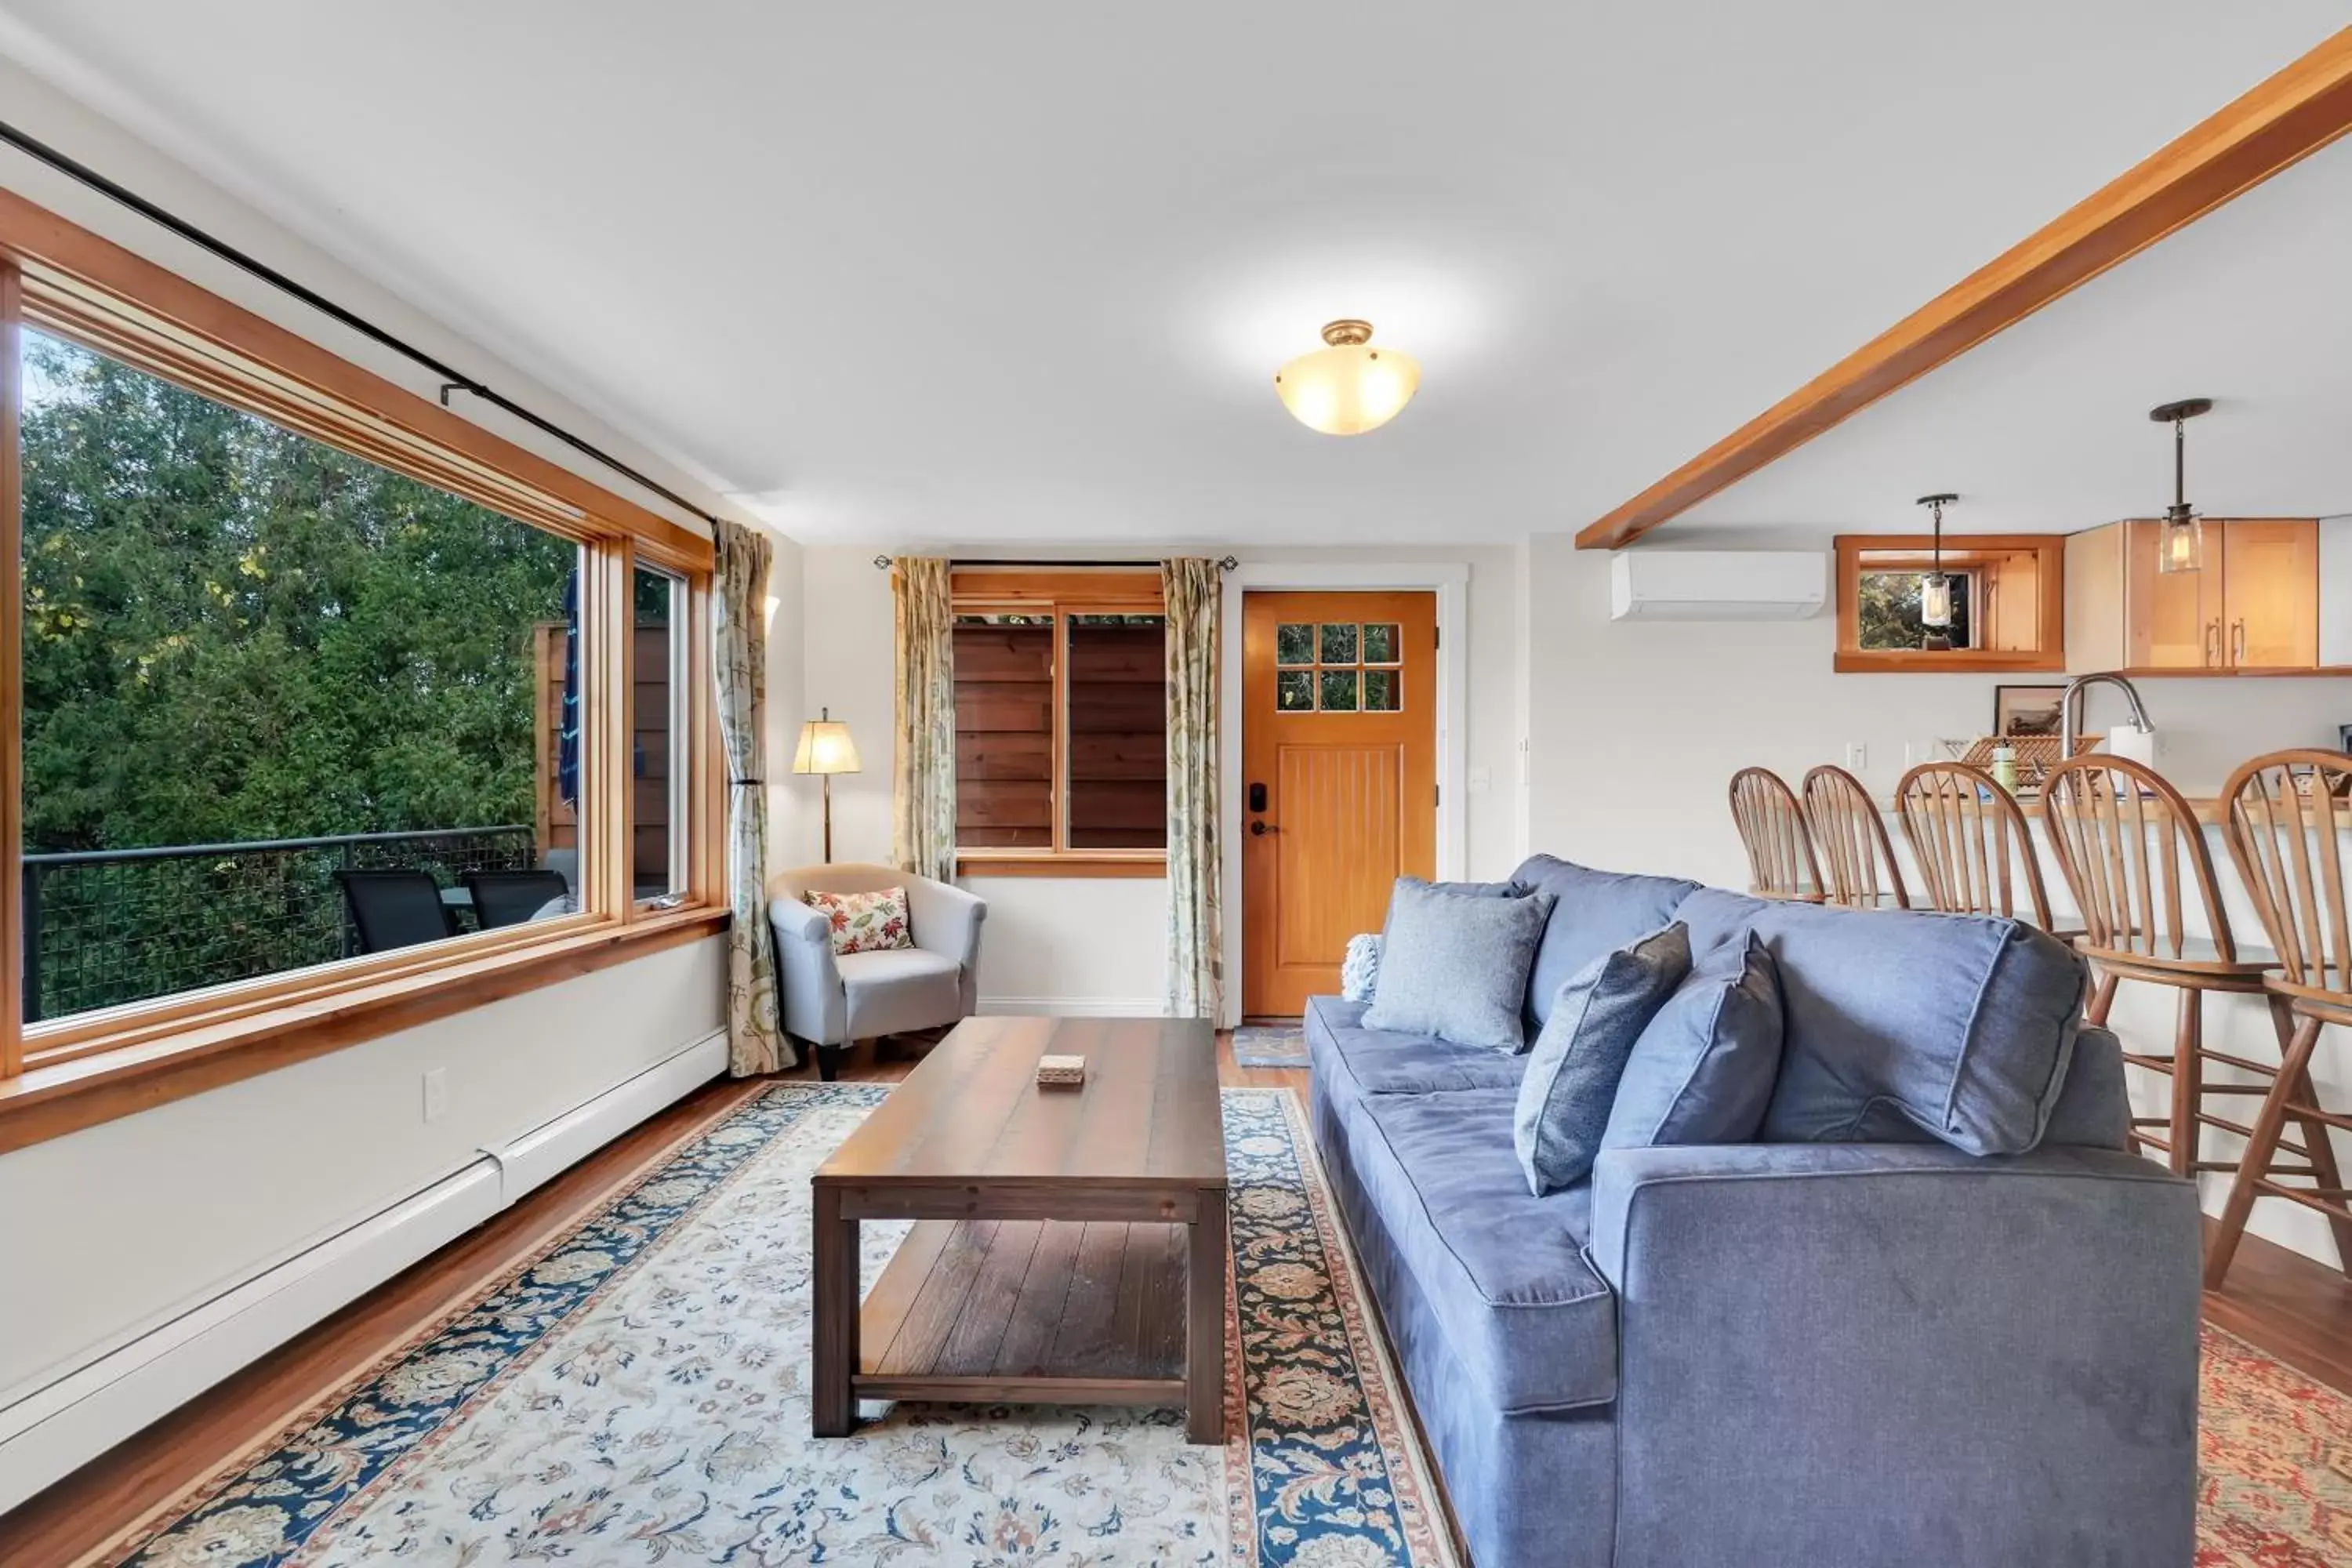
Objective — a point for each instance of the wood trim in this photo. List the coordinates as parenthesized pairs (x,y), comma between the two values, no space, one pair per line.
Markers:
(49,1101)
(1072,863)
(708,797)
(138,1023)
(69,258)
(2283,120)
(12,611)
(1851,658)
(607,622)
(1109,593)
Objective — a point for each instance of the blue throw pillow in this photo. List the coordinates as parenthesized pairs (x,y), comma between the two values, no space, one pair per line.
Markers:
(1703,1070)
(1456,965)
(1572,1073)
(1597,912)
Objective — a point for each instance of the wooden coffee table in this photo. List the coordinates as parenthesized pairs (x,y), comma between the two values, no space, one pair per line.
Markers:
(1070,1247)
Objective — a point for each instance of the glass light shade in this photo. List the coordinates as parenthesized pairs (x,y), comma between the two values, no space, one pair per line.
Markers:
(2181,545)
(826,748)
(1934,600)
(1348,388)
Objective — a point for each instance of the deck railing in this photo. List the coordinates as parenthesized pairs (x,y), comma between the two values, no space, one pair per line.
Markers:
(103,927)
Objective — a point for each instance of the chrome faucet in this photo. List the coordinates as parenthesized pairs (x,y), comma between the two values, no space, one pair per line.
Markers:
(2070,706)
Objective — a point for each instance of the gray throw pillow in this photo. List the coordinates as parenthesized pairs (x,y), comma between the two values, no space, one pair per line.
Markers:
(1456,965)
(1572,1072)
(1703,1071)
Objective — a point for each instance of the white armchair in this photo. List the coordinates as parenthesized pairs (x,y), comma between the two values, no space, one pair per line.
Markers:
(830,1001)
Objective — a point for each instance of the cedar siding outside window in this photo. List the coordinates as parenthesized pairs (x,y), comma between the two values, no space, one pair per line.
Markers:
(272,627)
(1061,724)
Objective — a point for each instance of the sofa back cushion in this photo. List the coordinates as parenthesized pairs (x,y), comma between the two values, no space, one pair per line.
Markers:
(1577,1059)
(1704,1068)
(1901,1022)
(1456,965)
(1592,912)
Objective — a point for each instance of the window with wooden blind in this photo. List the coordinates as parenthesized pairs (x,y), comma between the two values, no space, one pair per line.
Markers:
(1061,723)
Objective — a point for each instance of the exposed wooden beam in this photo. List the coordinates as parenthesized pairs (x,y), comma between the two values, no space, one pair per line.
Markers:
(2286,119)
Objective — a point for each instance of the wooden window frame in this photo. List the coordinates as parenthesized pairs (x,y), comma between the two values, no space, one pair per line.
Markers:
(2050,553)
(73,1072)
(1061,594)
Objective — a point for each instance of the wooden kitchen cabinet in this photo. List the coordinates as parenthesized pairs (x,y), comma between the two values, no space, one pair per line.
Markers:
(2253,609)
(2270,593)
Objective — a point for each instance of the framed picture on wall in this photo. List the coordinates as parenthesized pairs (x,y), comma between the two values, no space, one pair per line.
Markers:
(2026,709)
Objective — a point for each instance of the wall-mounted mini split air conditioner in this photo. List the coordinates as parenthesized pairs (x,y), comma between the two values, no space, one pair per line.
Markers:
(1716,585)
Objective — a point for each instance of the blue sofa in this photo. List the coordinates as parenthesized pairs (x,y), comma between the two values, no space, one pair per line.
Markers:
(1863,1342)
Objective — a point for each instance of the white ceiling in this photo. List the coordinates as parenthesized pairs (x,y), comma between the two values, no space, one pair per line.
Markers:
(2046,428)
(994,272)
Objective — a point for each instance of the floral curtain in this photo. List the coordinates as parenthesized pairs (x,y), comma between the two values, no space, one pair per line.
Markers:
(922,761)
(739,634)
(1194,591)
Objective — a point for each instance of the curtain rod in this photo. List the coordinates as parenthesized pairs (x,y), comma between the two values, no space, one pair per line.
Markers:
(884,563)
(452,379)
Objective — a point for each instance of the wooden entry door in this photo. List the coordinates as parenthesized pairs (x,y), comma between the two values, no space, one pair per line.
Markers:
(1338,779)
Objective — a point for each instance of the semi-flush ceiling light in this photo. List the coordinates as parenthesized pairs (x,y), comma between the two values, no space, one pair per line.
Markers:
(1936,588)
(2181,537)
(1350,387)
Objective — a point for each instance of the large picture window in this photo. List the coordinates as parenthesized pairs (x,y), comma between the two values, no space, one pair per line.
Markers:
(326,709)
(279,703)
(1061,722)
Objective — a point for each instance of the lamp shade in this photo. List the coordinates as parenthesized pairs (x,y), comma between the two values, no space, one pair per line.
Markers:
(1351,387)
(826,748)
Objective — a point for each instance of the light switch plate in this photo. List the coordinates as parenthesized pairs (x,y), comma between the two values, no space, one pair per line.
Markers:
(436,1094)
(1857,757)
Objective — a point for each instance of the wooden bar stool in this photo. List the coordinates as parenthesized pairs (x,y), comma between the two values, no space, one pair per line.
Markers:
(1780,863)
(1851,839)
(1972,844)
(2287,821)
(2132,850)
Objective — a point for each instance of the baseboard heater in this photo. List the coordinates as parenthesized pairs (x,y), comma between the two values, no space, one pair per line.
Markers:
(48,1431)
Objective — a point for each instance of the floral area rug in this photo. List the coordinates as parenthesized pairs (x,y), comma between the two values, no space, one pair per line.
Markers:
(637,1394)
(2275,1463)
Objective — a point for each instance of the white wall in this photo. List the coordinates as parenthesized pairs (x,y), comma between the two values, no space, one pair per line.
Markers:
(1099,944)
(1634,730)
(114,1228)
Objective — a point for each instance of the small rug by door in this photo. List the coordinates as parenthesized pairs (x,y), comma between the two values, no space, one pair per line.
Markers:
(1270,1045)
(637,1394)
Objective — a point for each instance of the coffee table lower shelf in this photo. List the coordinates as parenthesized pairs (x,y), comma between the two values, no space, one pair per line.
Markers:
(1028,1313)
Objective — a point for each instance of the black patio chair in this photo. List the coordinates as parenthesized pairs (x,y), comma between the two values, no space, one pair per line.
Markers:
(510,897)
(395,909)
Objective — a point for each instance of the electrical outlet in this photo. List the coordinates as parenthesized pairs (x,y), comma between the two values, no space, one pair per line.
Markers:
(1857,757)
(436,1094)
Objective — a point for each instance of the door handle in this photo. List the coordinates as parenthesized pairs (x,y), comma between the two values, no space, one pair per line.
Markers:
(1259,829)
(2238,640)
(2212,643)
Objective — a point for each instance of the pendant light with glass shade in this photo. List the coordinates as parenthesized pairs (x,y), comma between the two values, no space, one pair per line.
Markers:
(1935,587)
(2180,537)
(1348,386)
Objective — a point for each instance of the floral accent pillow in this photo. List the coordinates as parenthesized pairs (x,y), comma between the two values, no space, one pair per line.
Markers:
(866,922)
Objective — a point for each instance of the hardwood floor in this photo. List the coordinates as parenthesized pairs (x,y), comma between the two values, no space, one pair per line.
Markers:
(2279,1301)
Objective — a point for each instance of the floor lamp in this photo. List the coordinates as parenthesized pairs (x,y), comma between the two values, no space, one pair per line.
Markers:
(826,749)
